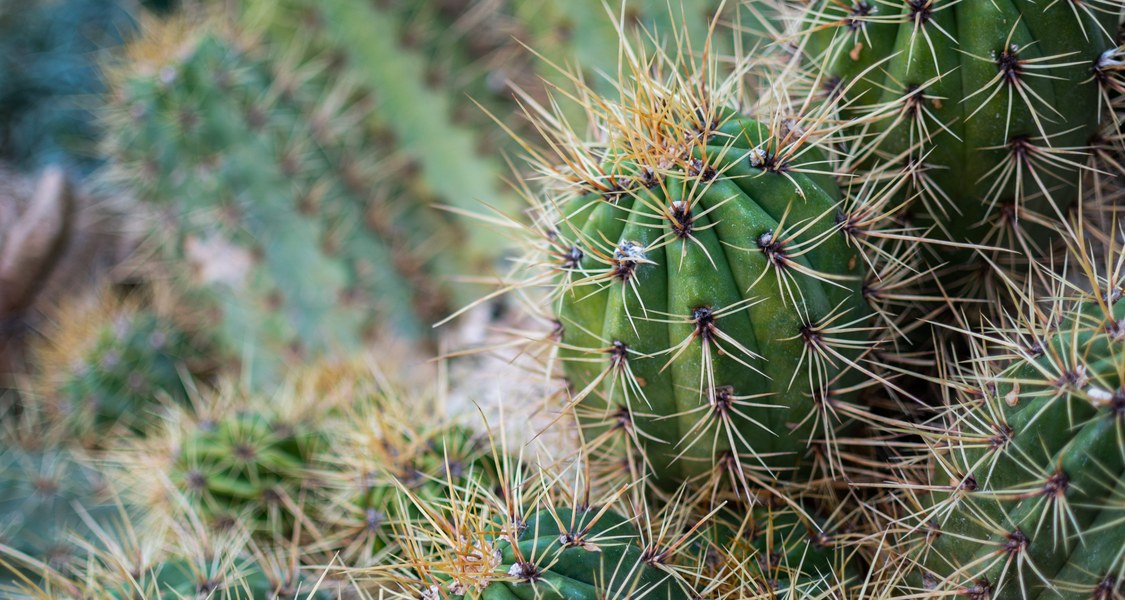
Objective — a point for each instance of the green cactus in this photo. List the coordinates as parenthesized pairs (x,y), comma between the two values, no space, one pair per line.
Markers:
(580,554)
(553,554)
(365,479)
(46,497)
(276,197)
(114,364)
(245,468)
(771,551)
(709,284)
(1025,497)
(983,111)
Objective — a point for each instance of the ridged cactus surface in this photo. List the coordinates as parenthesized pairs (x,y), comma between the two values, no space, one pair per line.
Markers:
(708,292)
(580,554)
(984,109)
(374,474)
(1027,498)
(245,468)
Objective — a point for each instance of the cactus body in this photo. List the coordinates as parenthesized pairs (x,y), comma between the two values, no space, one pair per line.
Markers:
(245,468)
(563,554)
(697,303)
(770,551)
(552,561)
(115,365)
(986,109)
(1028,499)
(274,180)
(366,510)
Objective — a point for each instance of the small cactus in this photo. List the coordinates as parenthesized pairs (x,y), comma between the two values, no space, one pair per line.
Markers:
(238,458)
(709,284)
(113,363)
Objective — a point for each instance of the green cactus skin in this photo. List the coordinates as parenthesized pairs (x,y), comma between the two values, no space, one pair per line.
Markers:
(243,468)
(990,106)
(1027,497)
(43,497)
(709,335)
(576,555)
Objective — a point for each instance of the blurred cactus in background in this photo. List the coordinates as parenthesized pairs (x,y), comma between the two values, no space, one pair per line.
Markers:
(111,363)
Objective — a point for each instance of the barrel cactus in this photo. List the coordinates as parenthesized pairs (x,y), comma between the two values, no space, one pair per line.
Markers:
(245,467)
(240,459)
(708,281)
(1025,497)
(771,550)
(982,112)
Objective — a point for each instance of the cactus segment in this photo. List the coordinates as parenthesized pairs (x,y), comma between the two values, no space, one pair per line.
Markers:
(1026,484)
(985,109)
(702,306)
(245,468)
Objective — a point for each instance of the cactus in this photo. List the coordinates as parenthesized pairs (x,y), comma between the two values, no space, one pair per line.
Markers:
(245,468)
(771,551)
(365,476)
(112,364)
(586,554)
(485,545)
(708,281)
(1025,495)
(981,112)
(276,195)
(239,458)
